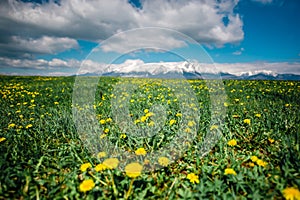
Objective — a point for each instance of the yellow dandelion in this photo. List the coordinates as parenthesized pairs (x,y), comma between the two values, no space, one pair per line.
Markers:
(262,163)
(271,140)
(102,121)
(229,171)
(2,139)
(56,103)
(172,121)
(101,154)
(103,136)
(191,123)
(291,193)
(149,114)
(214,127)
(193,178)
(254,158)
(111,163)
(151,123)
(251,164)
(108,120)
(143,118)
(100,167)
(133,170)
(28,126)
(86,185)
(235,116)
(232,142)
(11,125)
(85,166)
(123,136)
(187,130)
(178,115)
(164,161)
(247,121)
(141,151)
(257,115)
(225,104)
(146,111)
(137,121)
(106,130)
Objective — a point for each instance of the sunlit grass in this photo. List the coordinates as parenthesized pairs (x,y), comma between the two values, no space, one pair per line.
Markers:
(42,155)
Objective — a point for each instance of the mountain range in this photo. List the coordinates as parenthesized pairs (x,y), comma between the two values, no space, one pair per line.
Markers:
(188,70)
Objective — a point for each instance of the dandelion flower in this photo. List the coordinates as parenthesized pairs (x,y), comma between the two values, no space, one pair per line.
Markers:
(133,170)
(2,139)
(251,164)
(191,123)
(101,154)
(108,120)
(229,171)
(149,114)
(28,126)
(143,118)
(123,136)
(225,104)
(291,193)
(172,121)
(140,151)
(254,158)
(85,166)
(261,163)
(100,167)
(56,103)
(214,127)
(271,140)
(102,121)
(111,163)
(106,130)
(164,161)
(86,185)
(232,142)
(11,125)
(146,111)
(257,115)
(193,178)
(187,130)
(178,115)
(247,121)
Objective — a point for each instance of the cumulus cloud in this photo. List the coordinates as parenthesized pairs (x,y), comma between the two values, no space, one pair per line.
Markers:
(23,24)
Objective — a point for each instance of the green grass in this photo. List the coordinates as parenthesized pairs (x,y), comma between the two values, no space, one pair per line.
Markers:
(44,148)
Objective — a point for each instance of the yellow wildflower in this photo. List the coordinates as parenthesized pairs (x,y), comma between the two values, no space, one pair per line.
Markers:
(291,193)
(225,104)
(178,115)
(86,185)
(261,163)
(164,161)
(187,130)
(254,158)
(146,111)
(56,103)
(108,120)
(229,171)
(85,166)
(111,163)
(143,118)
(172,121)
(251,164)
(102,121)
(2,139)
(140,151)
(123,136)
(232,142)
(149,114)
(103,136)
(214,127)
(191,123)
(193,178)
(11,125)
(151,123)
(247,121)
(100,167)
(101,154)
(28,126)
(106,130)
(271,140)
(133,170)
(257,115)
(235,116)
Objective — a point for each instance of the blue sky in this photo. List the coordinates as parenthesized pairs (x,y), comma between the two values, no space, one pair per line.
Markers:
(54,37)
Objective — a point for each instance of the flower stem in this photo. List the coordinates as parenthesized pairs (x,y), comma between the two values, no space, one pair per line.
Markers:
(129,190)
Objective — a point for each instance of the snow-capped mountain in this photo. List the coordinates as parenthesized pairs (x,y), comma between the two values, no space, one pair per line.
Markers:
(191,70)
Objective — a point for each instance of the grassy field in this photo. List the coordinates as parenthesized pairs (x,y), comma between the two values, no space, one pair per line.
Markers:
(45,154)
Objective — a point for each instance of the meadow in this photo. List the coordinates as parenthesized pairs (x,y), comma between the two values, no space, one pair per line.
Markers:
(48,152)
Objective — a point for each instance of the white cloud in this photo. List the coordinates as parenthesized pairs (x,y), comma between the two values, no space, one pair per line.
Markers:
(238,52)
(263,1)
(99,19)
